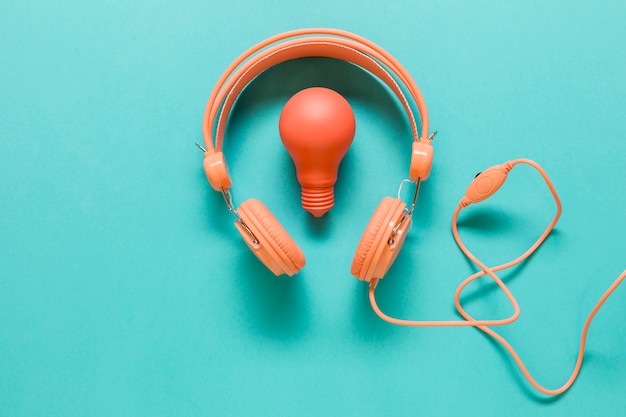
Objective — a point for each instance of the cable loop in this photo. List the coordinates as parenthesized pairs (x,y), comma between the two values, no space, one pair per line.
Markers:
(485,270)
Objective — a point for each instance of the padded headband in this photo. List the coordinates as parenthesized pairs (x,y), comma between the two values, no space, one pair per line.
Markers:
(341,45)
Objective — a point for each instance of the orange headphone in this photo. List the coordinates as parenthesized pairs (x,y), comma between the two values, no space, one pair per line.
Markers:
(385,234)
(267,239)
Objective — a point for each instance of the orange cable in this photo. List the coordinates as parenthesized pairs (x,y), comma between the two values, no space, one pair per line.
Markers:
(485,270)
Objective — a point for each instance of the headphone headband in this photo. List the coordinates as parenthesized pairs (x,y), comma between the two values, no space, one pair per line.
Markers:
(341,45)
(294,50)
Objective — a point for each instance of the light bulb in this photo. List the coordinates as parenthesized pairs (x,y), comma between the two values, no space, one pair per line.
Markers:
(317,127)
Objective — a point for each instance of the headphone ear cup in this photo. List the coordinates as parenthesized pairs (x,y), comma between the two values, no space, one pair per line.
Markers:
(374,255)
(275,248)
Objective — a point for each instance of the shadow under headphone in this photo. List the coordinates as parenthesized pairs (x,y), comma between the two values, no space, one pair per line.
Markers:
(386,231)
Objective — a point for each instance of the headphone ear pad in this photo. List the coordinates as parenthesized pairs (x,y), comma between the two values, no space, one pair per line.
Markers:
(275,248)
(374,255)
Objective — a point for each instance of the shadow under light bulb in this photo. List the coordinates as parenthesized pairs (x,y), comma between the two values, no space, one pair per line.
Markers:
(317,127)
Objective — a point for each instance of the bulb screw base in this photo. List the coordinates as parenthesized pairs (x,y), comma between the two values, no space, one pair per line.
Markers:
(318,200)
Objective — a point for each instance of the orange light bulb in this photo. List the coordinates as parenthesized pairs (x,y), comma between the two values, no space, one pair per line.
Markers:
(317,127)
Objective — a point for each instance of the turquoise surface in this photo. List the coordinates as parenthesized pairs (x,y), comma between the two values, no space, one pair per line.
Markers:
(125,290)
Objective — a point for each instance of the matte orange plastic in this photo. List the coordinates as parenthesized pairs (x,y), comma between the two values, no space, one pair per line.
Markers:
(497,176)
(374,254)
(421,160)
(275,248)
(314,47)
(216,170)
(330,43)
(317,127)
(486,183)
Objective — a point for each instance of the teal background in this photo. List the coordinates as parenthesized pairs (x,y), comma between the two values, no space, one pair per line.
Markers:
(126,291)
